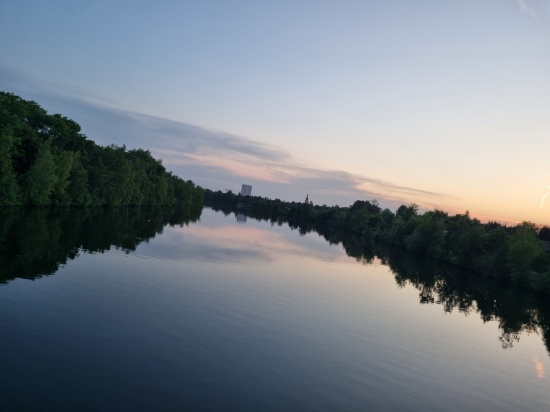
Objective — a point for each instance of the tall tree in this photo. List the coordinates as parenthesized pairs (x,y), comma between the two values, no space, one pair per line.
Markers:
(9,188)
(40,180)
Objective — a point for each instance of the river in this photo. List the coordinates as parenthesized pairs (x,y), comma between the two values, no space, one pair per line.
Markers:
(227,313)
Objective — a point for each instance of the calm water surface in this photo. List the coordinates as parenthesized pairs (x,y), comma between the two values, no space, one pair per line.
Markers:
(227,315)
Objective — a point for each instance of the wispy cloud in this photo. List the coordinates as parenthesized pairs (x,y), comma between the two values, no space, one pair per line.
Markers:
(203,141)
(212,158)
(526,8)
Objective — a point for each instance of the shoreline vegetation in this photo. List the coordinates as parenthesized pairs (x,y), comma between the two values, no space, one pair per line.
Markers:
(46,161)
(518,255)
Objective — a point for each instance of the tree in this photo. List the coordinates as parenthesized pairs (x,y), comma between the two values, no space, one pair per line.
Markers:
(544,233)
(78,184)
(9,189)
(465,240)
(45,160)
(407,212)
(524,252)
(64,161)
(40,180)
(428,236)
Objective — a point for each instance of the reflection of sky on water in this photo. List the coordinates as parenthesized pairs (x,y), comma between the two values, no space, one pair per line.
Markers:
(220,237)
(338,308)
(263,312)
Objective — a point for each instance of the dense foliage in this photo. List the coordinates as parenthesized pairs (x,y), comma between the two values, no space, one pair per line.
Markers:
(46,160)
(518,254)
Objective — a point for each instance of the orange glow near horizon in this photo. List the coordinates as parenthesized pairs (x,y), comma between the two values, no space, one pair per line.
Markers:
(494,200)
(230,236)
(245,169)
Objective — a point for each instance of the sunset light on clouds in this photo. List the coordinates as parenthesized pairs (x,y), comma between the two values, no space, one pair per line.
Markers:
(444,104)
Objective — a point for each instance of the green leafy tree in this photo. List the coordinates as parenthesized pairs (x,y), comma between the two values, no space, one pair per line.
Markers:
(9,188)
(64,161)
(544,233)
(525,252)
(46,160)
(39,182)
(428,236)
(465,240)
(407,212)
(78,190)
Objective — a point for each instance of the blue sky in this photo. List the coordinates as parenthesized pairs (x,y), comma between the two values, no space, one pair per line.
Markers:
(441,103)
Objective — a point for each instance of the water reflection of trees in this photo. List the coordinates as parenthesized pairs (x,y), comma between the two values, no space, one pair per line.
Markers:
(37,241)
(518,311)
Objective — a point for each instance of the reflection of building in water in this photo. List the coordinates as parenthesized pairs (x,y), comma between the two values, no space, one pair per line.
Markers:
(241,218)
(246,190)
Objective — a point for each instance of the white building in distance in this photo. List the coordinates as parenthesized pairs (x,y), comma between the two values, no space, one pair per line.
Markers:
(246,190)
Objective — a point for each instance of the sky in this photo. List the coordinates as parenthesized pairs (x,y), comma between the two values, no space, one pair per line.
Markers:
(445,104)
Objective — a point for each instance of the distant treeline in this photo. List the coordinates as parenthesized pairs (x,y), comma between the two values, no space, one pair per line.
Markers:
(518,254)
(45,160)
